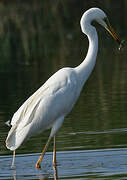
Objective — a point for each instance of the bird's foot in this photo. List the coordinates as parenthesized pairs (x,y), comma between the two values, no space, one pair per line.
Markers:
(38,165)
(12,167)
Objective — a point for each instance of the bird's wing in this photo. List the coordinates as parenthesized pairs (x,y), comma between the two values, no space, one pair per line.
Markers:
(21,119)
(53,100)
(25,113)
(29,105)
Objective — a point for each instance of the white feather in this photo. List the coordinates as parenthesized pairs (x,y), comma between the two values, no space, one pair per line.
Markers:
(48,106)
(44,107)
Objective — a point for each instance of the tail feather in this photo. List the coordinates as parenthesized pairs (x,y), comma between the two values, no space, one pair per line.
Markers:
(16,138)
(8,123)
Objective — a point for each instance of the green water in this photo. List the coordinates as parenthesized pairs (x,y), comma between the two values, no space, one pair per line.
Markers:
(92,139)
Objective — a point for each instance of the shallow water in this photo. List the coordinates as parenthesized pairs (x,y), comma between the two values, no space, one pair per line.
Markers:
(89,164)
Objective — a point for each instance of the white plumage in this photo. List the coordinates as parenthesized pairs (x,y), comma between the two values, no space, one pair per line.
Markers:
(50,104)
(45,109)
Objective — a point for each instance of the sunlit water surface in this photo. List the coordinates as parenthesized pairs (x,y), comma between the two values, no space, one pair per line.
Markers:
(88,164)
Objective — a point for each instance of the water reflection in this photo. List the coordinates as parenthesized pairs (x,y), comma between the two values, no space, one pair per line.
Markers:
(55,172)
(14,174)
(103,163)
(40,174)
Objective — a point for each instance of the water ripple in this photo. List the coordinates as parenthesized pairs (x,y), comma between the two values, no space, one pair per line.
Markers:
(102,163)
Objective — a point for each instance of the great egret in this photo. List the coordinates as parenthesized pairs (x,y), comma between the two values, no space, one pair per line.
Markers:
(51,103)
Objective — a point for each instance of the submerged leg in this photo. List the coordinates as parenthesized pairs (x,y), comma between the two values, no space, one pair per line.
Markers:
(13,160)
(54,152)
(38,164)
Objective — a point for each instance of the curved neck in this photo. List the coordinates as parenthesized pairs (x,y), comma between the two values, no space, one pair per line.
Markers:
(86,67)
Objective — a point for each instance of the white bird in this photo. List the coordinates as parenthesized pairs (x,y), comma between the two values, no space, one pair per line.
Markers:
(51,103)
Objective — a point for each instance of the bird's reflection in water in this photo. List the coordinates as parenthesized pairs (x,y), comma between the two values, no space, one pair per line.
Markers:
(40,176)
(55,172)
(14,173)
(44,177)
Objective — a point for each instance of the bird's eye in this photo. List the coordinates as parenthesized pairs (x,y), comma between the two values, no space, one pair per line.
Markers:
(106,21)
(94,22)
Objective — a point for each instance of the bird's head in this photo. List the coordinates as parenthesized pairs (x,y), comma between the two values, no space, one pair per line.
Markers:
(96,14)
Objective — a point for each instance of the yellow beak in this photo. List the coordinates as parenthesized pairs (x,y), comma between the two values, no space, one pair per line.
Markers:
(112,32)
